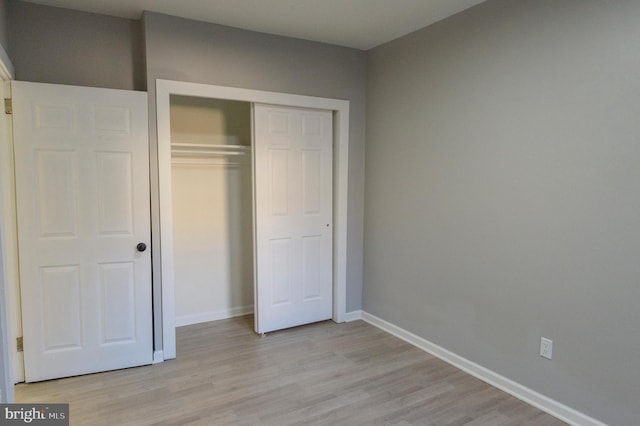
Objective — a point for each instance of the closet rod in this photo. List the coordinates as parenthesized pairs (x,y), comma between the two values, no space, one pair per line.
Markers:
(207,146)
(234,164)
(179,152)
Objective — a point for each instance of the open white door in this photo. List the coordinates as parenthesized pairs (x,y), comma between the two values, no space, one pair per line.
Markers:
(293,194)
(82,188)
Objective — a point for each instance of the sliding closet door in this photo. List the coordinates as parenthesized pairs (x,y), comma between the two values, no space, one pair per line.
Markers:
(293,194)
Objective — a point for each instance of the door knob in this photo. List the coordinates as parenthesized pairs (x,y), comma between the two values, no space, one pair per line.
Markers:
(141,247)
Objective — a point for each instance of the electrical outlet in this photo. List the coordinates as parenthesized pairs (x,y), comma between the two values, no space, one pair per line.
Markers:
(546,348)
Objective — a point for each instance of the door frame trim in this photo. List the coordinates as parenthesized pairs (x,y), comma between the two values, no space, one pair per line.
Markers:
(340,108)
(9,362)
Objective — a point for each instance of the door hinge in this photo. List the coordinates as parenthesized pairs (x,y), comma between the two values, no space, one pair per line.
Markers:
(8,106)
(20,344)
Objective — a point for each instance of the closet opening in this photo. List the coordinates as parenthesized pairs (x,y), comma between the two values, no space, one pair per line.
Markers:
(164,283)
(212,205)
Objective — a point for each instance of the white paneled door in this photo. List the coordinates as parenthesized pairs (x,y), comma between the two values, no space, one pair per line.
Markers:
(293,193)
(82,185)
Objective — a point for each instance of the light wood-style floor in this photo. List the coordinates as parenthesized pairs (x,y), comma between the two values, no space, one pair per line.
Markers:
(325,374)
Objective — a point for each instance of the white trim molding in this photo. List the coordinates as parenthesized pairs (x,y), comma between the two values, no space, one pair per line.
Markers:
(544,403)
(340,108)
(213,315)
(158,357)
(9,358)
(353,316)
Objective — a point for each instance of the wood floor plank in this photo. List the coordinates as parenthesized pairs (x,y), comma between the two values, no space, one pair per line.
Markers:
(323,374)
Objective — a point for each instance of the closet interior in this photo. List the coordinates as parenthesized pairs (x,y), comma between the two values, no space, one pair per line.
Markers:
(212,208)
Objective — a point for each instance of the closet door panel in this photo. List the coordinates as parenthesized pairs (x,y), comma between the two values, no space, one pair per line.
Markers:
(293,193)
(311,182)
(279,200)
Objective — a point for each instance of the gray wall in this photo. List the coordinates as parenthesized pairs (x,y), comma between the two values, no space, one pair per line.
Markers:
(54,45)
(502,205)
(4,33)
(186,50)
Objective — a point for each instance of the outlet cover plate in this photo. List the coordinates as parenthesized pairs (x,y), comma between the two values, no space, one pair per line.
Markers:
(546,348)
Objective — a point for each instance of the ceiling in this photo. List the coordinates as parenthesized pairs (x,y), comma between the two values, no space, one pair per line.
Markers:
(361,24)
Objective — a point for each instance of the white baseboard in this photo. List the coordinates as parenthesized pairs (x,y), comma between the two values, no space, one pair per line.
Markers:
(546,404)
(353,316)
(158,357)
(213,315)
